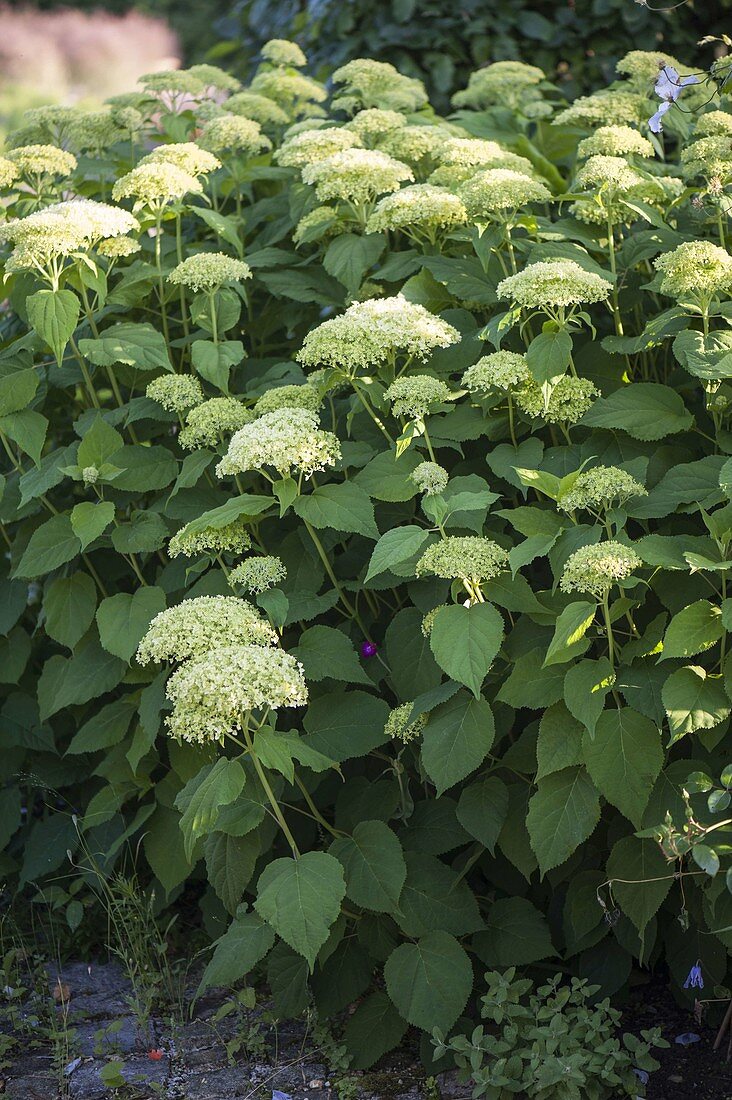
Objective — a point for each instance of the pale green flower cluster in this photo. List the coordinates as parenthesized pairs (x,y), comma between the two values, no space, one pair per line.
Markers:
(714,122)
(233,537)
(175,392)
(462,152)
(211,694)
(356,175)
(595,569)
(62,230)
(116,248)
(695,268)
(416,207)
(319,223)
(8,172)
(600,489)
(495,190)
(374,332)
(98,131)
(173,83)
(428,620)
(613,173)
(296,93)
(290,397)
(310,146)
(552,284)
(502,84)
(259,108)
(709,157)
(233,133)
(412,397)
(374,123)
(208,270)
(399,727)
(196,626)
(156,183)
(415,144)
(368,83)
(279,51)
(471,557)
(609,107)
(256,575)
(42,160)
(430,478)
(212,77)
(284,439)
(49,124)
(615,141)
(207,423)
(501,370)
(90,475)
(568,402)
(186,155)
(643,66)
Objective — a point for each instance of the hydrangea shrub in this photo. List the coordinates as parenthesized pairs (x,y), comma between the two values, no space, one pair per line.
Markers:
(367,521)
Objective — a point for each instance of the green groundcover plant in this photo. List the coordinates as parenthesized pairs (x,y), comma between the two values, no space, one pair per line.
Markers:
(367,513)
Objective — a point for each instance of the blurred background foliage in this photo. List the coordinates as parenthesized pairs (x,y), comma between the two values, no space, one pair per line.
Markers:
(577,42)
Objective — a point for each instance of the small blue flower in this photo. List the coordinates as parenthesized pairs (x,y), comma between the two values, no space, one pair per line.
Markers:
(668,88)
(277,1095)
(687,1039)
(694,979)
(642,1076)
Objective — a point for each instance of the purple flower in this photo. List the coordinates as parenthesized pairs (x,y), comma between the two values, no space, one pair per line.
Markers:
(668,88)
(694,979)
(369,649)
(687,1039)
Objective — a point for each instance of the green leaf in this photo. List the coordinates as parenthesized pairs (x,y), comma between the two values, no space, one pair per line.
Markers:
(456,740)
(248,504)
(482,810)
(624,759)
(562,815)
(434,897)
(386,477)
(28,429)
(246,941)
(585,688)
(90,520)
(301,898)
(346,724)
(645,410)
(17,390)
(144,469)
(230,863)
(395,547)
(100,443)
(54,315)
(530,684)
(201,799)
(374,866)
(373,1030)
(164,849)
(342,507)
(548,356)
(429,981)
(136,345)
(123,619)
(348,257)
(572,625)
(559,744)
(51,545)
(327,652)
(222,226)
(66,681)
(147,532)
(465,641)
(104,729)
(696,628)
(69,606)
(516,934)
(693,700)
(214,361)
(640,878)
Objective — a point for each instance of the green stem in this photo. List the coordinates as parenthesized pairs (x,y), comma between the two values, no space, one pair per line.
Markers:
(314,810)
(269,792)
(609,629)
(369,409)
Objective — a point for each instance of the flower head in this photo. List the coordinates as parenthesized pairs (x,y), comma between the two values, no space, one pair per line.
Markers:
(421,206)
(463,556)
(186,155)
(260,108)
(695,978)
(278,51)
(504,83)
(601,488)
(195,626)
(116,248)
(42,160)
(233,133)
(610,106)
(296,93)
(175,392)
(173,82)
(211,76)
(368,83)
(284,439)
(192,540)
(595,569)
(708,157)
(90,475)
(290,397)
(613,173)
(430,478)
(501,370)
(374,123)
(312,145)
(415,144)
(374,332)
(206,424)
(208,270)
(368,650)
(156,183)
(8,172)
(398,723)
(482,153)
(211,693)
(615,141)
(668,88)
(554,283)
(62,230)
(695,268)
(256,575)
(568,401)
(714,123)
(412,397)
(356,175)
(496,190)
